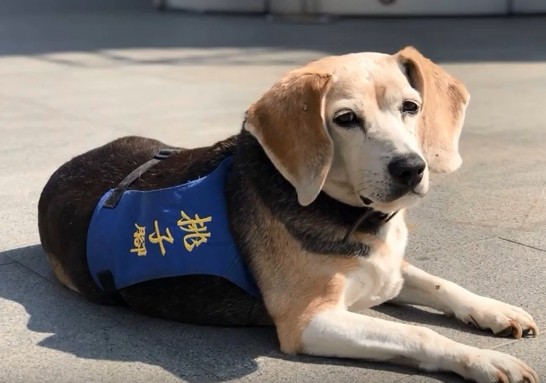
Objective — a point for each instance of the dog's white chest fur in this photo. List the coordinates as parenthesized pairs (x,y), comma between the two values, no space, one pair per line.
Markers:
(379,278)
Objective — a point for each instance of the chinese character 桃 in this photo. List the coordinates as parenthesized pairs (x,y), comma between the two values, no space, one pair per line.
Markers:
(139,241)
(157,238)
(196,229)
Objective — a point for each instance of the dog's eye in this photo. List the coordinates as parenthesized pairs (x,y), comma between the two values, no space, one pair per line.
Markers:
(410,107)
(346,119)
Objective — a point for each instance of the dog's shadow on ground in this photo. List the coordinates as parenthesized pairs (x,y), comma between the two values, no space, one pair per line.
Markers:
(193,353)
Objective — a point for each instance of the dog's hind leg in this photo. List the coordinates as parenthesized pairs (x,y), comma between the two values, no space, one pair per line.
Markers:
(59,272)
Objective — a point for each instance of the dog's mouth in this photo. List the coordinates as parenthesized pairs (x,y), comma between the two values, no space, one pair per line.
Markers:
(365,200)
(369,213)
(417,193)
(393,197)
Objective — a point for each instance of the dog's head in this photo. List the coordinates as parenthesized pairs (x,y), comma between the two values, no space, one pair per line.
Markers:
(365,128)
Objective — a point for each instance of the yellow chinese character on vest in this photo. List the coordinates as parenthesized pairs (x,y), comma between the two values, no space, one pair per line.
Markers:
(196,229)
(139,241)
(157,238)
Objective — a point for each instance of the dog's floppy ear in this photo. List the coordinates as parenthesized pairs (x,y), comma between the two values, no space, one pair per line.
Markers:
(444,104)
(288,122)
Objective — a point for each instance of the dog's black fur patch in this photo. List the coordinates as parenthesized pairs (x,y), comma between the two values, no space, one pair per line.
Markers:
(70,196)
(319,227)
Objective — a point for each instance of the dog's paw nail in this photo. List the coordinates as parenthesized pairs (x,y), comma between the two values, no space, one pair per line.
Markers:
(514,330)
(507,332)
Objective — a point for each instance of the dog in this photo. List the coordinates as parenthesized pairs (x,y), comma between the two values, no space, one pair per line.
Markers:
(315,190)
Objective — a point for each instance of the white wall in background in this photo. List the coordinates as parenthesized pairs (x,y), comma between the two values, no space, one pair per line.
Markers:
(529,6)
(217,5)
(391,7)
(363,7)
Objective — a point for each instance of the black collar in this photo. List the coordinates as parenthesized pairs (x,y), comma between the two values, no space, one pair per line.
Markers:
(318,243)
(369,215)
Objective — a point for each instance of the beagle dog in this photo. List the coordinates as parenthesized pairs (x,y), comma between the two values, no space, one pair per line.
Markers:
(315,191)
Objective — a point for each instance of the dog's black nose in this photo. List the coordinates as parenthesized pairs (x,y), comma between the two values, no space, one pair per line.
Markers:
(407,170)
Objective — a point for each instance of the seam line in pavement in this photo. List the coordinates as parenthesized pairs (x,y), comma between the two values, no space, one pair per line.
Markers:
(512,341)
(522,244)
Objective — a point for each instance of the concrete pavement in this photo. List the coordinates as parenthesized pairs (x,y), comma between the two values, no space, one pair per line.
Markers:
(74,75)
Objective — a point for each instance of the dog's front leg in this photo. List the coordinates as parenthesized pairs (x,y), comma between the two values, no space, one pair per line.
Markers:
(340,333)
(481,312)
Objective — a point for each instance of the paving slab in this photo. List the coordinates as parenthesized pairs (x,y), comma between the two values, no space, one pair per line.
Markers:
(77,74)
(108,355)
(533,237)
(33,308)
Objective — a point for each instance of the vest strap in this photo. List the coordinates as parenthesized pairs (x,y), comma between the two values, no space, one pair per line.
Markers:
(106,280)
(114,198)
(105,277)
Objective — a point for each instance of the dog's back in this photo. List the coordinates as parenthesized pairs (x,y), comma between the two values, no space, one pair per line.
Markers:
(67,204)
(68,200)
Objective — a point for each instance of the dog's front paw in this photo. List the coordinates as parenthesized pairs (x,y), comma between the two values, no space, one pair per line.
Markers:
(488,366)
(501,318)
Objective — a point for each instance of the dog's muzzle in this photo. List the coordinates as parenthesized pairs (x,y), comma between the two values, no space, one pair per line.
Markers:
(407,171)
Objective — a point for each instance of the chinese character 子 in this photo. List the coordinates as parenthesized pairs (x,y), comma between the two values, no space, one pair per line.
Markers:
(157,238)
(196,229)
(139,241)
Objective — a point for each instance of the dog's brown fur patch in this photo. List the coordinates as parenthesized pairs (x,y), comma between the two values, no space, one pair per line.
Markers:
(298,286)
(59,272)
(288,124)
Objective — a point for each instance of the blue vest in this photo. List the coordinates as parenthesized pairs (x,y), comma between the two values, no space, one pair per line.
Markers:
(175,231)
